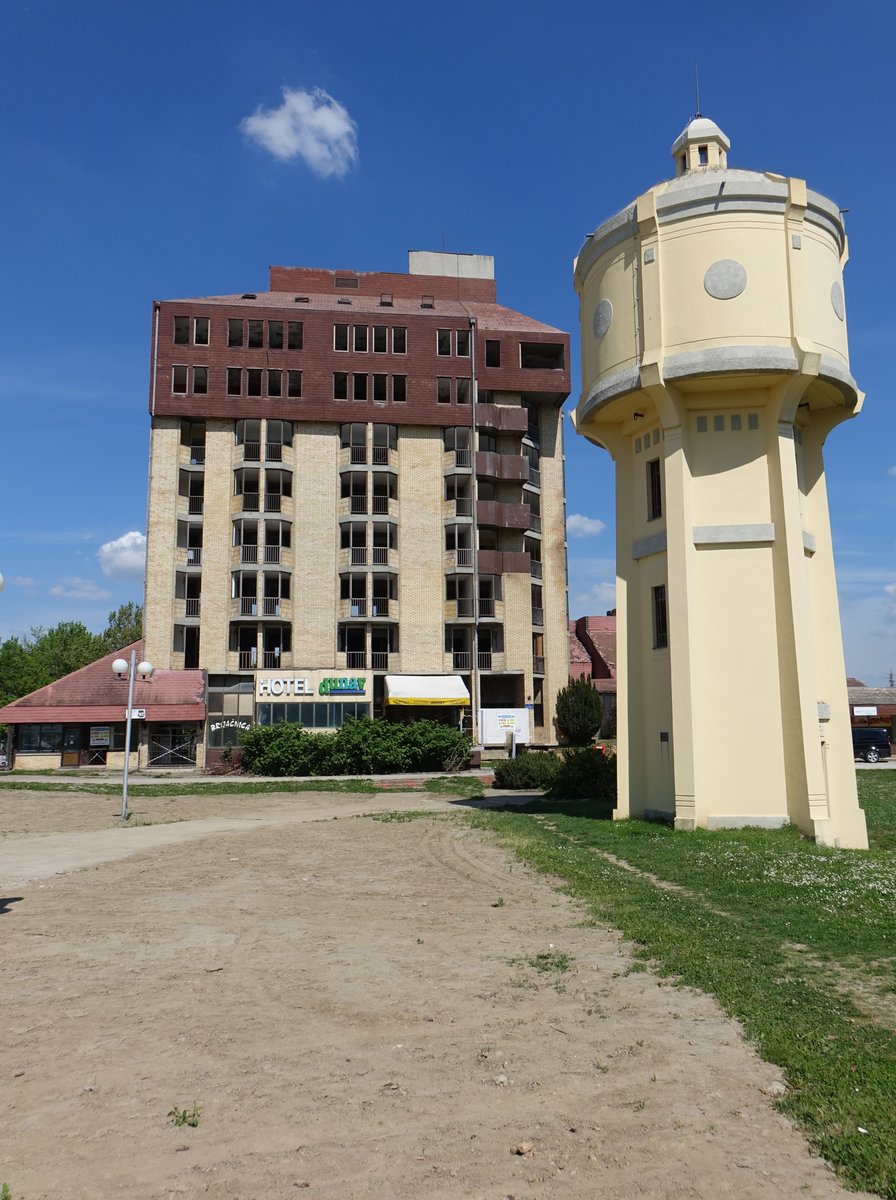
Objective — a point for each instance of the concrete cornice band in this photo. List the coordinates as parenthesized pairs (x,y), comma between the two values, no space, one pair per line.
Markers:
(713,535)
(709,192)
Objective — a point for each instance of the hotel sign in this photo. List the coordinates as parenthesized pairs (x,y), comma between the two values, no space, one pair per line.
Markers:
(322,684)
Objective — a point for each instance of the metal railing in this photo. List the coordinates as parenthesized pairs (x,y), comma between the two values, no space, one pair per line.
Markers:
(486,606)
(358,454)
(248,606)
(379,660)
(358,504)
(250,501)
(273,451)
(197,455)
(358,608)
(193,556)
(464,557)
(380,556)
(463,506)
(195,504)
(248,659)
(380,606)
(381,504)
(484,658)
(273,502)
(270,606)
(464,606)
(461,458)
(272,554)
(249,554)
(271,658)
(356,660)
(380,455)
(251,451)
(359,556)
(191,606)
(463,660)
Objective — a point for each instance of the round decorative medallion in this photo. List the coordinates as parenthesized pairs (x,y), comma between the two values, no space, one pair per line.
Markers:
(603,318)
(837,299)
(725,279)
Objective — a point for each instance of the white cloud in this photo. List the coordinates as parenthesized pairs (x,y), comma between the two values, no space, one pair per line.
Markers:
(79,589)
(596,601)
(579,526)
(308,125)
(124,557)
(892,472)
(23,581)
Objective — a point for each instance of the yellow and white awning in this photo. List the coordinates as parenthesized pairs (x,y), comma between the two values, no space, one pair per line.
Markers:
(426,690)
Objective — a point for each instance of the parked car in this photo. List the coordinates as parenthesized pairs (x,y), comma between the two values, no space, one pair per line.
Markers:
(870,743)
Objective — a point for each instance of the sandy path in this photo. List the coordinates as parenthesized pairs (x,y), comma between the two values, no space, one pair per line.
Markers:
(351,1007)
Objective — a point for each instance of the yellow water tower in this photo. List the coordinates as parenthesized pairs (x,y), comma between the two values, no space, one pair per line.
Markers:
(714,365)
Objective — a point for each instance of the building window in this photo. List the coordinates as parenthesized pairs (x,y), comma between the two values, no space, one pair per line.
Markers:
(660,619)
(463,343)
(541,356)
(399,340)
(200,381)
(256,335)
(463,390)
(253,381)
(340,385)
(443,390)
(380,339)
(275,335)
(340,337)
(379,389)
(399,389)
(201,331)
(443,341)
(359,387)
(234,381)
(181,331)
(492,353)
(179,380)
(275,383)
(294,384)
(360,339)
(703,155)
(295,335)
(654,490)
(234,332)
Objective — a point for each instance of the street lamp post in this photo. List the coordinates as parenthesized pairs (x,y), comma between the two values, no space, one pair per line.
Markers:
(133,669)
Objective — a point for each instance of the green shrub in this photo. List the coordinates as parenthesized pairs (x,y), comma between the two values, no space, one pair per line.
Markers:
(359,747)
(527,771)
(578,711)
(585,773)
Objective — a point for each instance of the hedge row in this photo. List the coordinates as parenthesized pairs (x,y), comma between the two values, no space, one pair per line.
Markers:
(580,773)
(359,747)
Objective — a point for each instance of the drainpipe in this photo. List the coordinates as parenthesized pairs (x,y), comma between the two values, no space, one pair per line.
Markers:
(474,673)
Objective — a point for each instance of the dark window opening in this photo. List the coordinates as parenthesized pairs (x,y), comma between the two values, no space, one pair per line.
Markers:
(179,380)
(294,385)
(379,389)
(654,490)
(360,339)
(359,387)
(346,281)
(340,337)
(541,356)
(399,340)
(340,385)
(295,335)
(181,331)
(463,390)
(275,335)
(463,343)
(275,383)
(256,334)
(253,381)
(492,353)
(234,381)
(703,155)
(201,331)
(660,620)
(200,381)
(443,341)
(443,390)
(399,389)
(234,332)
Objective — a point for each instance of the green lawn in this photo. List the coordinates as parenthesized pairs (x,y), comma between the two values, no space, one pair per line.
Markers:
(795,940)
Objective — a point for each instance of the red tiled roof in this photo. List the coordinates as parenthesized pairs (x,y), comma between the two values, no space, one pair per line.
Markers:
(577,652)
(602,633)
(95,693)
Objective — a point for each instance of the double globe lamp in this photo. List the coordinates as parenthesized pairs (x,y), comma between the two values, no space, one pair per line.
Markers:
(132,669)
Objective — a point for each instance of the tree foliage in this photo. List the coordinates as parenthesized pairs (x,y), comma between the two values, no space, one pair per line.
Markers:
(125,627)
(578,712)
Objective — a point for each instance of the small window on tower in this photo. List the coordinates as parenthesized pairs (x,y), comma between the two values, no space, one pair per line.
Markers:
(181,331)
(179,380)
(703,155)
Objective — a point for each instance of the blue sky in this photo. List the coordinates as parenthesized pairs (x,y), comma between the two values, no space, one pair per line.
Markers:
(508,127)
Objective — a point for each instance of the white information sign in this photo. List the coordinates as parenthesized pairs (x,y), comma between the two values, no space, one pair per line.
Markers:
(497,725)
(865,710)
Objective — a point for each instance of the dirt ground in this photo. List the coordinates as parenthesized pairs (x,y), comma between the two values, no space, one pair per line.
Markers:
(357,1009)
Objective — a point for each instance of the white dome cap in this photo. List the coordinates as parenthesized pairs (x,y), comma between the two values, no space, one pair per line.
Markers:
(701,129)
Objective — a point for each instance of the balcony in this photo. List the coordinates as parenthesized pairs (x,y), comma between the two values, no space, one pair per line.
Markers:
(274,554)
(275,658)
(358,556)
(462,660)
(356,660)
(248,659)
(503,562)
(195,505)
(246,606)
(509,467)
(191,606)
(275,606)
(197,455)
(463,557)
(379,660)
(463,506)
(273,451)
(380,556)
(484,660)
(381,504)
(356,607)
(502,516)
(273,502)
(358,505)
(250,501)
(502,419)
(248,554)
(192,556)
(357,455)
(486,606)
(380,456)
(380,606)
(535,523)
(462,458)
(251,452)
(464,606)
(535,477)
(538,664)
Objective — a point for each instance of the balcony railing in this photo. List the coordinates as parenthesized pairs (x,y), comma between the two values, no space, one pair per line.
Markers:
(380,455)
(380,556)
(358,454)
(195,505)
(359,556)
(273,451)
(537,616)
(273,554)
(272,658)
(358,504)
(273,502)
(535,477)
(356,660)
(379,660)
(535,523)
(535,568)
(272,606)
(248,554)
(248,659)
(251,451)
(463,506)
(250,501)
(248,606)
(191,606)
(358,608)
(463,660)
(193,556)
(464,557)
(484,659)
(486,606)
(380,606)
(461,458)
(538,664)
(197,455)
(381,504)
(464,606)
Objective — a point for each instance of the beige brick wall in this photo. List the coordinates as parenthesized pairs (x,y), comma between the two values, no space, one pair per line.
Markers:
(217,536)
(421,579)
(315,538)
(161,538)
(553,555)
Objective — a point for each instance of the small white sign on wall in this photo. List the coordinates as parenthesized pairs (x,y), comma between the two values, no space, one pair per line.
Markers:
(496,725)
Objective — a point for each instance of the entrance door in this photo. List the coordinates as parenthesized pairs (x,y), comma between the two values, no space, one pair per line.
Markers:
(71,746)
(172,746)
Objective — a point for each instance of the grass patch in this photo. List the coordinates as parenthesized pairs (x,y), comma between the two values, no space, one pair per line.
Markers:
(452,785)
(794,940)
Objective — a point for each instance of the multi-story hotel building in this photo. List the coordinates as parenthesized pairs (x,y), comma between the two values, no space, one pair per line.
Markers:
(356,498)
